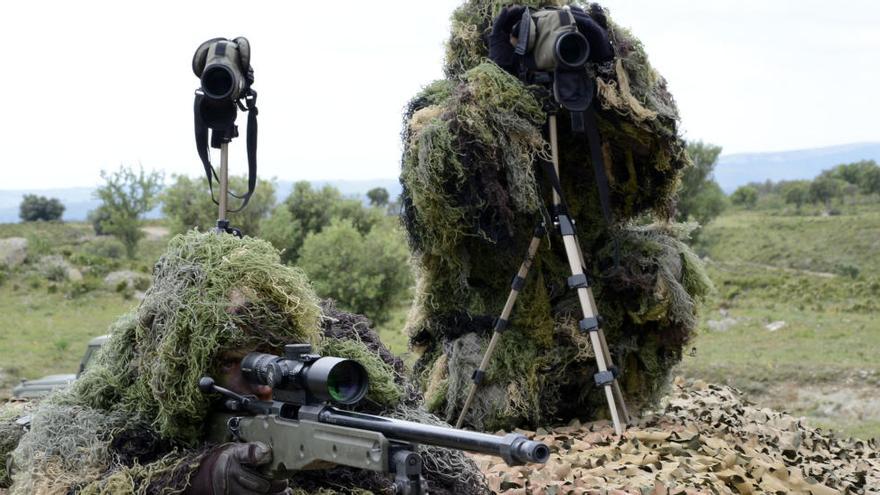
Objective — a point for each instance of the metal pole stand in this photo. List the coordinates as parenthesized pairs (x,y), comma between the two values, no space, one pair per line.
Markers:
(224,138)
(591,323)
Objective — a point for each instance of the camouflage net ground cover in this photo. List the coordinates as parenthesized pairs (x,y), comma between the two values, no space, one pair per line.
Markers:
(705,440)
(132,424)
(472,193)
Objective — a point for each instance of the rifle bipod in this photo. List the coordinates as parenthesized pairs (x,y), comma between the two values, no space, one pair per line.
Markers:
(591,323)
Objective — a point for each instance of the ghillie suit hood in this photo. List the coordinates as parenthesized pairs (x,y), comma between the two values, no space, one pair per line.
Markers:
(472,192)
(133,422)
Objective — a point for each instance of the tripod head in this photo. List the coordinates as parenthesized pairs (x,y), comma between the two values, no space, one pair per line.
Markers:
(225,87)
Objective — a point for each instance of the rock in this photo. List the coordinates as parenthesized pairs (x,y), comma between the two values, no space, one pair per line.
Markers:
(774,326)
(74,275)
(13,251)
(132,280)
(721,325)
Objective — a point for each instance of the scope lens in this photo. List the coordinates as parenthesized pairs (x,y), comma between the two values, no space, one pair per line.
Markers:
(217,82)
(347,382)
(572,49)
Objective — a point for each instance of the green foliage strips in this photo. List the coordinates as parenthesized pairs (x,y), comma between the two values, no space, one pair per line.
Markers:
(125,197)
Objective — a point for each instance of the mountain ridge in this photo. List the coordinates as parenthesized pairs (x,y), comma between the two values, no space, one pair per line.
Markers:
(732,171)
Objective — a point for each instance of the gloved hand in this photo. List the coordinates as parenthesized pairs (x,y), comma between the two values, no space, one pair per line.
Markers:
(500,49)
(227,470)
(597,36)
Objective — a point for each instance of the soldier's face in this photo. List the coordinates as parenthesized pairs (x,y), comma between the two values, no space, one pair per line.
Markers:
(230,377)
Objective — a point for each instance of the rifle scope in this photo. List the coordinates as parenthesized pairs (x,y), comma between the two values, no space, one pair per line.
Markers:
(307,376)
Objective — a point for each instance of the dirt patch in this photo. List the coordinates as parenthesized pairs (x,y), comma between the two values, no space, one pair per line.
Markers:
(155,233)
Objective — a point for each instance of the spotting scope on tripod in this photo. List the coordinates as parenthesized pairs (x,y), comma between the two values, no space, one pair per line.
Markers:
(226,77)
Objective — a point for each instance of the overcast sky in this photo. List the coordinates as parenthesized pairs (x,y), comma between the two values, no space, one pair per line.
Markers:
(91,85)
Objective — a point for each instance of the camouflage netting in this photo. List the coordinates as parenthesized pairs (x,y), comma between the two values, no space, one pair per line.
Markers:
(133,422)
(706,439)
(472,193)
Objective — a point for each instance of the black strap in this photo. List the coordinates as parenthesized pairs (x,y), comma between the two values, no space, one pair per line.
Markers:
(201,135)
(595,145)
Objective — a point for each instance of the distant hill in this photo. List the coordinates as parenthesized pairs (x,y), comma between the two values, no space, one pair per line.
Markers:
(78,201)
(732,171)
(741,168)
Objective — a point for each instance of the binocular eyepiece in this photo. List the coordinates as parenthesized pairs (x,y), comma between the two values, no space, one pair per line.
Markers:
(299,376)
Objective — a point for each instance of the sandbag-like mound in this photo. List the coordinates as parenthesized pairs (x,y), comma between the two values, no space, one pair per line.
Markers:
(472,192)
(133,422)
(705,440)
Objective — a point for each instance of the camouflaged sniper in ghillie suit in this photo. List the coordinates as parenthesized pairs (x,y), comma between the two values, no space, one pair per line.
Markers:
(133,422)
(472,193)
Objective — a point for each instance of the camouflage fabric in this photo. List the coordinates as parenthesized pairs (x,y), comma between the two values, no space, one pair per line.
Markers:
(706,439)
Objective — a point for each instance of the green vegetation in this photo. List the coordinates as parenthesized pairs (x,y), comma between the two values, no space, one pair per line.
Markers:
(125,197)
(307,211)
(187,204)
(378,196)
(793,318)
(366,274)
(35,208)
(700,198)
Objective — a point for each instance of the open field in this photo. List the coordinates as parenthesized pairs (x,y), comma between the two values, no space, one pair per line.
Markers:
(793,320)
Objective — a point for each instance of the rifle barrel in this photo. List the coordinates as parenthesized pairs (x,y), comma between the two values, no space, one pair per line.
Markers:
(514,448)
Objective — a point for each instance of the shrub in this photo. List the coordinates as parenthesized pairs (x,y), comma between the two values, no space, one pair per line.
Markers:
(365,273)
(746,196)
(35,208)
(187,204)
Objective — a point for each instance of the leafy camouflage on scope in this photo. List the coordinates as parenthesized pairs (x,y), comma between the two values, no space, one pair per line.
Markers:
(472,194)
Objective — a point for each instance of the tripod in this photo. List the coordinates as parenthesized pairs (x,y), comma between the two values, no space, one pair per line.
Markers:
(591,323)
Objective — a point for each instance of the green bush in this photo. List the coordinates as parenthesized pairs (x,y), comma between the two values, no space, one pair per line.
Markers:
(365,274)
(700,198)
(105,247)
(308,211)
(187,204)
(99,218)
(33,208)
(746,196)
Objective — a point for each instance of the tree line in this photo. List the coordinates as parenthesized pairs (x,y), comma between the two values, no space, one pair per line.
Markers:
(353,252)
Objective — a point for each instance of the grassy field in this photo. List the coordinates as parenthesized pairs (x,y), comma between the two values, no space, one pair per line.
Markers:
(793,321)
(46,322)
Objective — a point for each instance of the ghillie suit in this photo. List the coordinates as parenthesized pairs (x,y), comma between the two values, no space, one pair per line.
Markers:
(472,192)
(133,422)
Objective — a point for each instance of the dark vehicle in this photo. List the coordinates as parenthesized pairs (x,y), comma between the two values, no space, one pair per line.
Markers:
(41,387)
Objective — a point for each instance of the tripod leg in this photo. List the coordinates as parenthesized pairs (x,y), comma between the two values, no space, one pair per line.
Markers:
(501,324)
(604,378)
(605,350)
